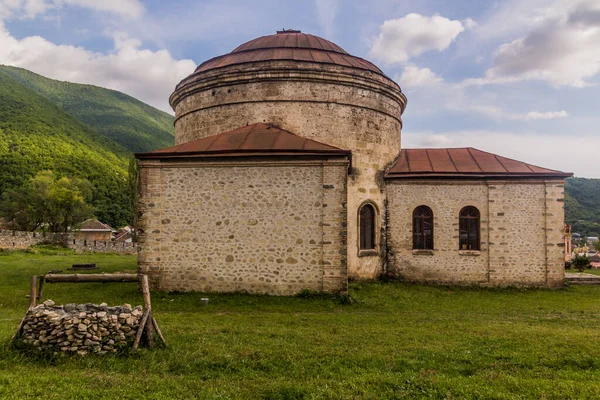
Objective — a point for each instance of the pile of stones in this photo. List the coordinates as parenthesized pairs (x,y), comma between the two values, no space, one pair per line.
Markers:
(81,328)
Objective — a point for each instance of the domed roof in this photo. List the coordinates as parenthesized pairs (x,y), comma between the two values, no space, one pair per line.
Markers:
(289,45)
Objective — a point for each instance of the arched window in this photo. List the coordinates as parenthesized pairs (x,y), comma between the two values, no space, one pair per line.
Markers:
(367,227)
(423,228)
(468,222)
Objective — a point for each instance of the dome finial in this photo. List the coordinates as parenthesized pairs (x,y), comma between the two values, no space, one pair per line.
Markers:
(288,31)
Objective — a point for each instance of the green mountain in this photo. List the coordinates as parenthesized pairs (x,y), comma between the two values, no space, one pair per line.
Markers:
(582,205)
(36,134)
(134,125)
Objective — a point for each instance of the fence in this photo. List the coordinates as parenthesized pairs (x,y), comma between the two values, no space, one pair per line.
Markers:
(22,240)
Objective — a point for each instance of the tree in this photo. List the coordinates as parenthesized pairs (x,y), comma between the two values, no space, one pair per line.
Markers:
(597,245)
(45,200)
(133,180)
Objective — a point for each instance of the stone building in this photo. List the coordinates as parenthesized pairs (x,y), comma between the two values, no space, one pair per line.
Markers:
(92,229)
(287,174)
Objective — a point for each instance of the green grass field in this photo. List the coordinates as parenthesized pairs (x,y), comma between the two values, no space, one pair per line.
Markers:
(394,341)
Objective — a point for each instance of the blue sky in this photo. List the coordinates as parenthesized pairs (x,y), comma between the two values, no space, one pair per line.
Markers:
(514,77)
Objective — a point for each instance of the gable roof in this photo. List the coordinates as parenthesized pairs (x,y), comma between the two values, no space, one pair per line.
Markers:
(250,140)
(466,163)
(93,225)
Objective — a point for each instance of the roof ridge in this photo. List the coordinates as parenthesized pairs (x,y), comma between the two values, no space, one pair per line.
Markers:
(247,135)
(429,160)
(408,161)
(451,160)
(473,157)
(214,139)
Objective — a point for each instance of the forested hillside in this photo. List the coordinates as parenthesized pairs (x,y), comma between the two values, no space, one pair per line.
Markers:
(582,205)
(134,125)
(37,135)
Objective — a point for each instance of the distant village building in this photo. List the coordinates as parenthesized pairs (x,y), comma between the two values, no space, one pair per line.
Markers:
(288,174)
(568,243)
(92,229)
(124,234)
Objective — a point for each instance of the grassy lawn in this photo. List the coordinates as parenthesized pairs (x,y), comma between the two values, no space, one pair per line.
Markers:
(395,341)
(587,271)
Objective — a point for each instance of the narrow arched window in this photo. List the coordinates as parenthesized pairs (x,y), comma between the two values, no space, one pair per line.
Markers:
(423,228)
(367,227)
(469,228)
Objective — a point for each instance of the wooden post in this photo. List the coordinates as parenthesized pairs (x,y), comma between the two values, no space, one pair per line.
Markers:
(158,331)
(138,335)
(146,322)
(40,288)
(32,303)
(148,305)
(33,292)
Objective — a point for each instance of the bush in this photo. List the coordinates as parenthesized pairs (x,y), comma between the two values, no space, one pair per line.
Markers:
(581,262)
(568,265)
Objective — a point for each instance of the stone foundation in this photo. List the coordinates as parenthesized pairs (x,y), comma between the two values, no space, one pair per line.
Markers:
(81,328)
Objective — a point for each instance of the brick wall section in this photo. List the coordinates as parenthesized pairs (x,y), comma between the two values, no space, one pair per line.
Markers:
(335,227)
(258,227)
(521,232)
(555,234)
(151,187)
(22,240)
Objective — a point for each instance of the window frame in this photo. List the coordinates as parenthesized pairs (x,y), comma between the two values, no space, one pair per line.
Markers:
(469,228)
(374,229)
(421,236)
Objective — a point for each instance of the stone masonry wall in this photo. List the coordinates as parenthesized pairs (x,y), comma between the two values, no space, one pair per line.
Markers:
(23,240)
(274,227)
(344,107)
(521,232)
(81,328)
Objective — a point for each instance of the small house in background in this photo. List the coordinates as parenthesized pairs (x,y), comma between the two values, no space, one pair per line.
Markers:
(595,261)
(92,229)
(124,234)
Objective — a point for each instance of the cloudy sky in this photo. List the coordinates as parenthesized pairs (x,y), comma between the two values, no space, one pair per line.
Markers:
(519,78)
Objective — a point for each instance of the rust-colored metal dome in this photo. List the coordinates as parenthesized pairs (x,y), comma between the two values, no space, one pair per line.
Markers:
(289,45)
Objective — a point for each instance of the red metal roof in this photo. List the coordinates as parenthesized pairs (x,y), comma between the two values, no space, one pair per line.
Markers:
(464,163)
(255,139)
(288,45)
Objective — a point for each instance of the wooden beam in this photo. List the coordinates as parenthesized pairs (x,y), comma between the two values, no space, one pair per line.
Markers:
(56,278)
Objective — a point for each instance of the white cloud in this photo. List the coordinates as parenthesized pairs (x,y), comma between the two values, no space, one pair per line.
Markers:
(413,76)
(498,113)
(412,35)
(561,49)
(546,115)
(23,9)
(125,8)
(470,24)
(29,9)
(147,75)
(326,13)
(560,152)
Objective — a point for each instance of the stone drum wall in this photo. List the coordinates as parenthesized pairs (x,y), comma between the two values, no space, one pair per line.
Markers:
(350,108)
(81,328)
(274,227)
